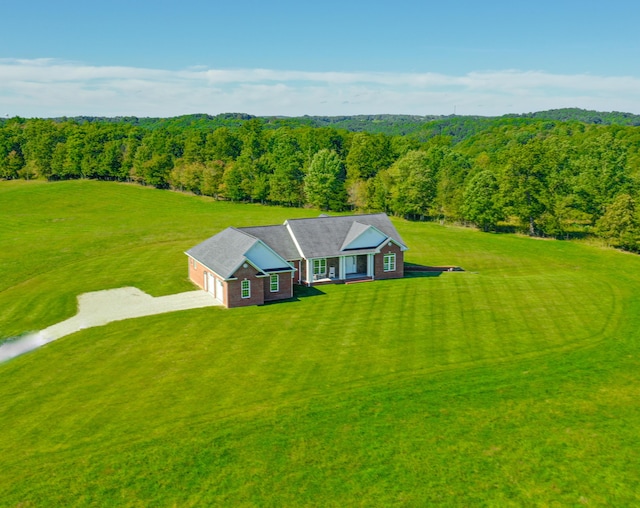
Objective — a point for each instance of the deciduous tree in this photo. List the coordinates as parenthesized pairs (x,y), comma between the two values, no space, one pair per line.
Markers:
(482,202)
(413,187)
(324,183)
(620,224)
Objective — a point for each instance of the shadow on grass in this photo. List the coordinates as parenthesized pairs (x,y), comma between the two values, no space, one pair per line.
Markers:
(299,292)
(412,271)
(578,234)
(415,275)
(415,270)
(305,291)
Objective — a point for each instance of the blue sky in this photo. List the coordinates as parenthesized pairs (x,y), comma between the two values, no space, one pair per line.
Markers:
(166,58)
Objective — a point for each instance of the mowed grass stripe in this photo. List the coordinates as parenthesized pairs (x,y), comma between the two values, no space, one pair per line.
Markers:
(340,355)
(427,390)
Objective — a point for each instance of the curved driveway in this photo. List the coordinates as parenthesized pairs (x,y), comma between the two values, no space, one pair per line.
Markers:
(102,307)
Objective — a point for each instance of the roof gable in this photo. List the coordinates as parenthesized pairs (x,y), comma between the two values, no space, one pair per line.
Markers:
(277,238)
(328,236)
(362,236)
(225,252)
(261,256)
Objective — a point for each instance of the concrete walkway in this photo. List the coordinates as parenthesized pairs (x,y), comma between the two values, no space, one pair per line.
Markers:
(102,307)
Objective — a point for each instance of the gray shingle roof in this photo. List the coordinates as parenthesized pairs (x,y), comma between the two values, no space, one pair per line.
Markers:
(325,236)
(276,237)
(223,253)
(318,237)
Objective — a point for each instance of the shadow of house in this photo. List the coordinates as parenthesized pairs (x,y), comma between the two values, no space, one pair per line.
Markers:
(413,269)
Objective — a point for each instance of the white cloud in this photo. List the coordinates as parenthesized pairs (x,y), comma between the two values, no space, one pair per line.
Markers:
(47,87)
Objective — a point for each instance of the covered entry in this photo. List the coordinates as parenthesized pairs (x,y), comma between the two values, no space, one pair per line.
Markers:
(350,265)
(357,266)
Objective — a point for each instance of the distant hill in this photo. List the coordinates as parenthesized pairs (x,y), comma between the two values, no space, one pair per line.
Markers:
(420,127)
(388,124)
(463,127)
(585,116)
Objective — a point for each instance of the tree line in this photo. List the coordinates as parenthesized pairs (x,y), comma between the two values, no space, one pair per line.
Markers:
(548,178)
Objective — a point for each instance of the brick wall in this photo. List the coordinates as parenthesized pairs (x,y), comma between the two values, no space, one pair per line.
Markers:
(378,263)
(285,290)
(196,274)
(260,286)
(234,288)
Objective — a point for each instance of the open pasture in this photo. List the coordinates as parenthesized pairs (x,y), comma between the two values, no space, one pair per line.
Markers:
(515,382)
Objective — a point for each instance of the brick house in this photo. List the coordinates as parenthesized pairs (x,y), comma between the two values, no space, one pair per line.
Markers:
(254,265)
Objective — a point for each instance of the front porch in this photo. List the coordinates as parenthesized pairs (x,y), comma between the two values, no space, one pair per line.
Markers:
(349,280)
(340,268)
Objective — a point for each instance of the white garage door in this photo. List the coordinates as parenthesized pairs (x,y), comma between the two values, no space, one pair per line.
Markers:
(210,284)
(219,291)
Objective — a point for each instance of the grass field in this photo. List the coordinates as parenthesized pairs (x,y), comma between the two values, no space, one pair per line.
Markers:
(513,383)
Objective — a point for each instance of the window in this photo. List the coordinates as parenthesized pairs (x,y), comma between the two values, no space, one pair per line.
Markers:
(194,263)
(274,283)
(319,267)
(389,262)
(245,289)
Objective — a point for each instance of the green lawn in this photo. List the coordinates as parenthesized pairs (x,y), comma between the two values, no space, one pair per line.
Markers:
(513,383)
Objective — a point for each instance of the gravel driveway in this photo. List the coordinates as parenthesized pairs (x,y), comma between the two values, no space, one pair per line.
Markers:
(102,307)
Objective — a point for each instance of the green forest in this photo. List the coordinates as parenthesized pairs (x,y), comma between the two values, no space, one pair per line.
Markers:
(561,173)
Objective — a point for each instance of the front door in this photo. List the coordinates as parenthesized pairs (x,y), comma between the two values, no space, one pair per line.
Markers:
(351,264)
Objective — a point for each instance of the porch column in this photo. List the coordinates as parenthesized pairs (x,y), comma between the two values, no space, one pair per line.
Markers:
(309,271)
(342,267)
(370,265)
